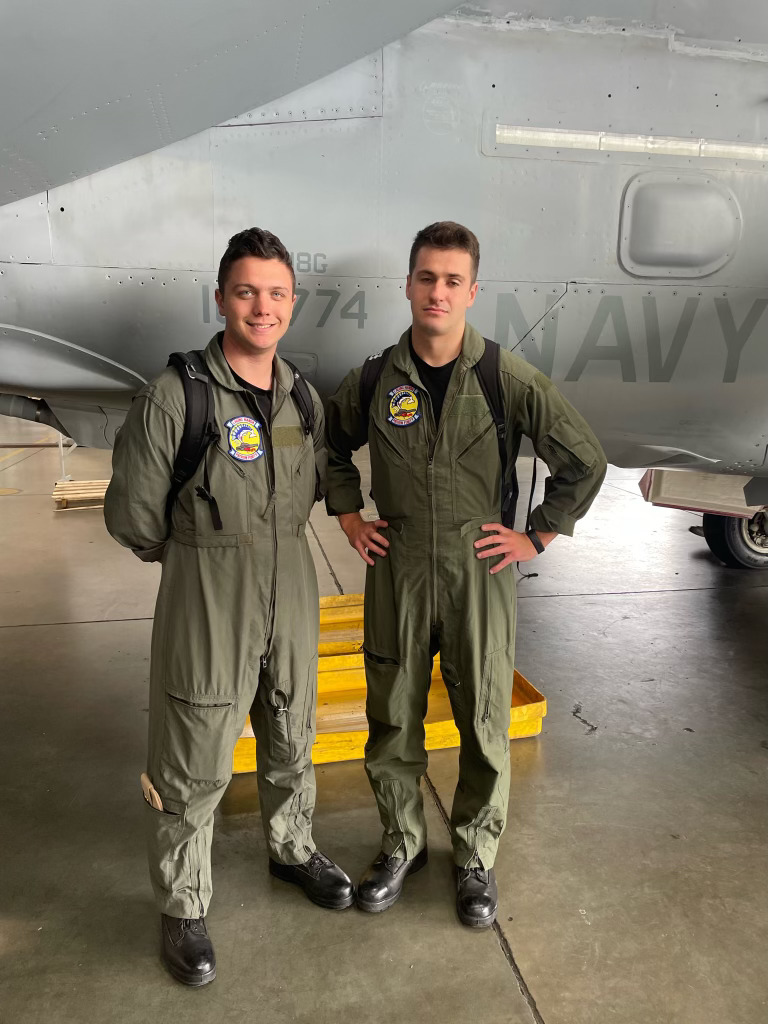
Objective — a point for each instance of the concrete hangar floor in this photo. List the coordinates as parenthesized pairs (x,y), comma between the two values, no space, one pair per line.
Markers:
(632,874)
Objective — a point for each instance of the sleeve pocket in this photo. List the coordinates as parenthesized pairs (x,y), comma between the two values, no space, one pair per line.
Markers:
(567,453)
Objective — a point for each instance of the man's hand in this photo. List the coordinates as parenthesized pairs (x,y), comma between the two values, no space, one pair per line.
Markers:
(363,535)
(514,546)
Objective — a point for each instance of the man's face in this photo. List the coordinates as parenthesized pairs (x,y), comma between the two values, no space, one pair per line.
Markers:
(257,303)
(440,289)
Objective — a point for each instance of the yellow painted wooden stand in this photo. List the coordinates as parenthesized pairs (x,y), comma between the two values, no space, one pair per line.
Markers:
(341,724)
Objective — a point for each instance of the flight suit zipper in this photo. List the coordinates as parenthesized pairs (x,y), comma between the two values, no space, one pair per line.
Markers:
(430,483)
(270,510)
(487,706)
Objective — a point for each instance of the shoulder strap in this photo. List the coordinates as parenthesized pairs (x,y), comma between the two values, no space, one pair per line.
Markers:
(303,399)
(199,419)
(373,367)
(487,370)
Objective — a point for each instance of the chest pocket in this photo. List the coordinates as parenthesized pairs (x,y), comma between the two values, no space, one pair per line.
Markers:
(192,520)
(295,471)
(304,481)
(476,474)
(390,471)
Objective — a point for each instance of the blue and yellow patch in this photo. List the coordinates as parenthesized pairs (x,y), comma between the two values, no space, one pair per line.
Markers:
(244,438)
(404,406)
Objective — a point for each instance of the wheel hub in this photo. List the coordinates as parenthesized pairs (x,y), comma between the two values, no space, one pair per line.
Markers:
(755,532)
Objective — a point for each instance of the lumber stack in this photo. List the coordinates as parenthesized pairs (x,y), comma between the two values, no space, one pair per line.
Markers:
(79,494)
(342,728)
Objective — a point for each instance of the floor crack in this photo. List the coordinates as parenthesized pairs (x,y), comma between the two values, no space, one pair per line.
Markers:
(501,938)
(577,709)
(334,577)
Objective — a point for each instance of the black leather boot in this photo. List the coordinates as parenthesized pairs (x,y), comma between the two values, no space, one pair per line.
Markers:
(477,899)
(323,881)
(383,882)
(187,950)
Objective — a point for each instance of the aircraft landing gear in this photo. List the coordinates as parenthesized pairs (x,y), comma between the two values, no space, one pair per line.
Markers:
(740,543)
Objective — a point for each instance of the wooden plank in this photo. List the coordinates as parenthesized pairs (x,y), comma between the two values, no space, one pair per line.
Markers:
(75,485)
(343,614)
(341,600)
(70,494)
(329,648)
(350,746)
(342,728)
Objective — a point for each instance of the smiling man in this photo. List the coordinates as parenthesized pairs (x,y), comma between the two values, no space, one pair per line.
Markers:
(236,623)
(437,483)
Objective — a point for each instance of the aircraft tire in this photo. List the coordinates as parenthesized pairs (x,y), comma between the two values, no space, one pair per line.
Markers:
(739,543)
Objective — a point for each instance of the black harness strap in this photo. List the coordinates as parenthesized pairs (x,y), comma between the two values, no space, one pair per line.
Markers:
(204,492)
(303,399)
(487,370)
(373,367)
(199,428)
(306,407)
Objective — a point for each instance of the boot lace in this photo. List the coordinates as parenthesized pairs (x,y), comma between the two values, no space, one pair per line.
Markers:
(316,863)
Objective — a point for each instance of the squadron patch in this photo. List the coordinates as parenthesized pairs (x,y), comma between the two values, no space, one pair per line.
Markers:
(244,439)
(404,406)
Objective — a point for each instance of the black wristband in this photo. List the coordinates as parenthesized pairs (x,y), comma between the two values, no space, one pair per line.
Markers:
(534,538)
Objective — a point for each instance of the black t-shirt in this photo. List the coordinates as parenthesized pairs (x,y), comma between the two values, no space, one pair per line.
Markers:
(263,398)
(435,379)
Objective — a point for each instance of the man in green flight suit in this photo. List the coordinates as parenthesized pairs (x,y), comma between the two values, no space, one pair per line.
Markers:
(236,622)
(435,467)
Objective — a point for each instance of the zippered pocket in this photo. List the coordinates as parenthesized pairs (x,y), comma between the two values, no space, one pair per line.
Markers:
(199,735)
(387,443)
(303,482)
(392,486)
(281,740)
(476,478)
(224,452)
(454,689)
(474,441)
(495,695)
(310,704)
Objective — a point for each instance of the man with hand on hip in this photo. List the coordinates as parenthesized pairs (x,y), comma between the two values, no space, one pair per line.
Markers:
(440,562)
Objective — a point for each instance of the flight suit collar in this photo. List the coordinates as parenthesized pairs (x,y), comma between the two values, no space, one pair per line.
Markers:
(472,347)
(222,374)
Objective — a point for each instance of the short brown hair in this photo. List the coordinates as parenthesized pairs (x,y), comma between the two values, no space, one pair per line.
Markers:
(253,242)
(447,234)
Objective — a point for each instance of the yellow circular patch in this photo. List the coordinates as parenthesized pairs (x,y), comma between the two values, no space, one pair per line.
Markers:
(404,406)
(245,442)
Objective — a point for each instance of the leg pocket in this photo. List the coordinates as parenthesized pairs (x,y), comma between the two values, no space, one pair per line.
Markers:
(199,739)
(495,696)
(281,726)
(310,703)
(380,638)
(455,691)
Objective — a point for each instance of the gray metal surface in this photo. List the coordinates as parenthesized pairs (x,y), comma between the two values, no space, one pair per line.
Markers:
(353,91)
(651,314)
(740,27)
(85,85)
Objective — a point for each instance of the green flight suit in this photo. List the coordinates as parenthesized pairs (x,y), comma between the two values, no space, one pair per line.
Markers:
(436,485)
(236,621)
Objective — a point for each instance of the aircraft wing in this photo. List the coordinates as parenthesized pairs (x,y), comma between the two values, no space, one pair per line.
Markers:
(85,85)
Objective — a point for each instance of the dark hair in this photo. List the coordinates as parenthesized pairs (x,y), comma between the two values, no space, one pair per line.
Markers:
(446,234)
(253,242)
